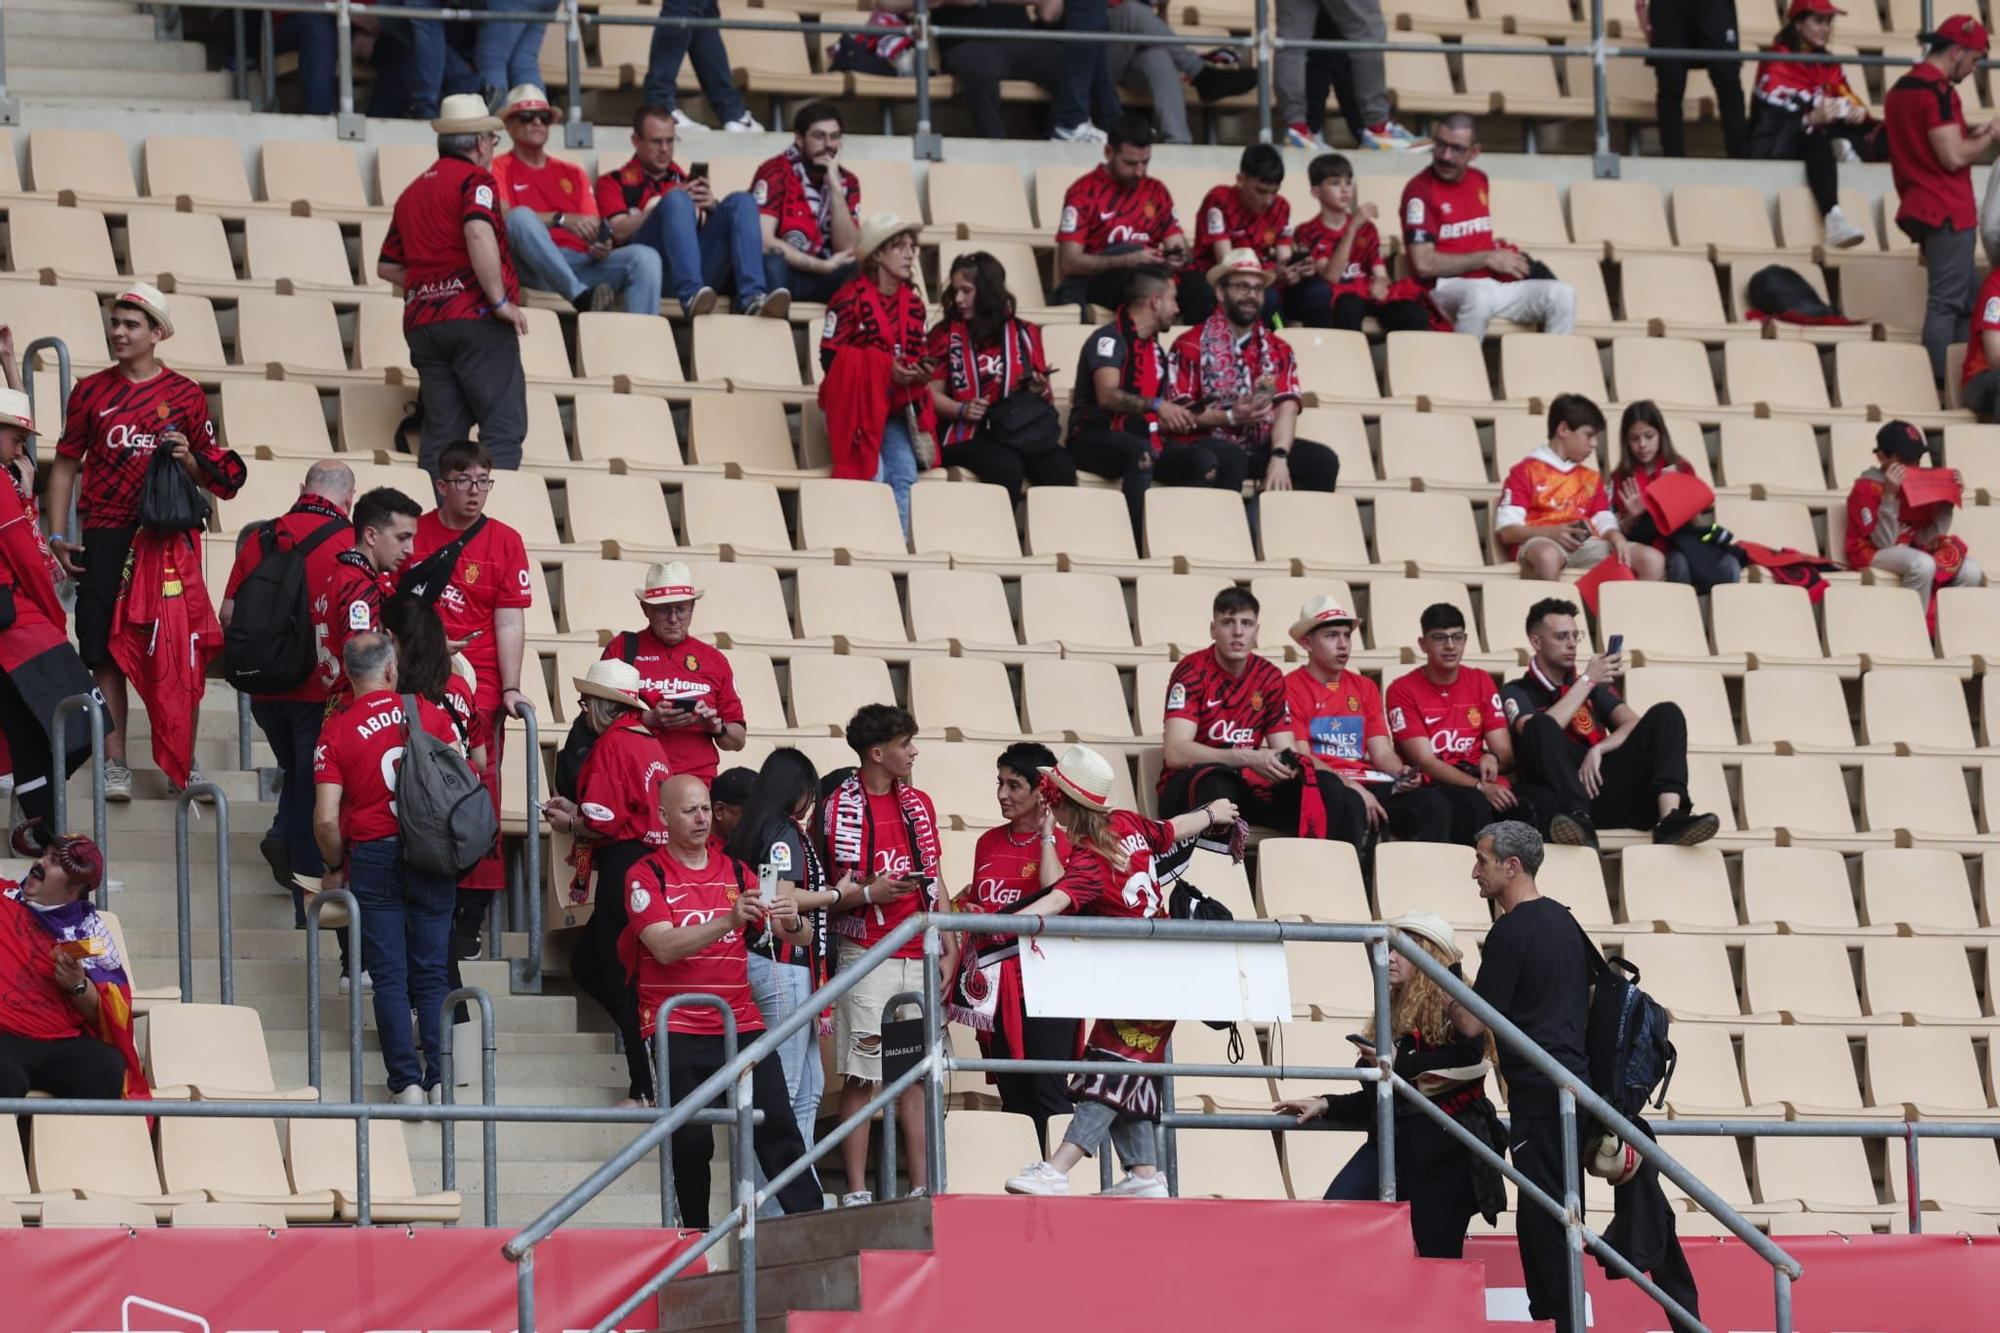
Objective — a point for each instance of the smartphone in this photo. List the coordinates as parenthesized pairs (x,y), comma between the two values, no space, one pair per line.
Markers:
(1616,646)
(682,705)
(1360,1040)
(767,883)
(698,171)
(473,635)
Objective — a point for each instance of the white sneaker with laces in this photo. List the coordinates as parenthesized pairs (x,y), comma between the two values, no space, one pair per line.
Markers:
(1139,1187)
(1038,1178)
(1081,133)
(367,984)
(687,122)
(857,1199)
(1840,233)
(1389,135)
(744,124)
(117,781)
(410,1096)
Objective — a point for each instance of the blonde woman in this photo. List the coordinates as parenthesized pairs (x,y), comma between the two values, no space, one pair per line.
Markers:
(1438,1176)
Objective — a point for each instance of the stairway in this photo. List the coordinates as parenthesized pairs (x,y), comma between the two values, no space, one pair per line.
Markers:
(105,53)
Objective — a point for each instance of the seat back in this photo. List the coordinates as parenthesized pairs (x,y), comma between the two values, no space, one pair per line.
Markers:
(322,172)
(1763,618)
(968,605)
(208,1045)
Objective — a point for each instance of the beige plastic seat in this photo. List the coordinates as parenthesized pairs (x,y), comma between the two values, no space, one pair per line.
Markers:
(1884,626)
(748,352)
(959,777)
(1717,1162)
(16,1193)
(321,1156)
(967,607)
(1078,698)
(1780,455)
(1894,377)
(742,519)
(1929,978)
(98,1213)
(1957,1174)
(1778,374)
(100,1157)
(1806,888)
(235,1161)
(1313,1158)
(71,244)
(1337,364)
(1925,795)
(598,600)
(1435,534)
(1676,295)
(1196,1043)
(1725,218)
(305,252)
(964,698)
(973,524)
(1420,81)
(1432,877)
(1086,613)
(1320,533)
(634,352)
(1177,609)
(278,416)
(626,516)
(324,175)
(1540,366)
(1440,447)
(757,687)
(213,1053)
(1673,372)
(1687,973)
(1089,529)
(859,518)
(627,429)
(1201,529)
(1017,260)
(1824,1175)
(69,313)
(1805,797)
(1529,212)
(1310,878)
(986,197)
(1620,214)
(746,607)
(746,432)
(522,502)
(1661,623)
(299,336)
(1806,711)
(1774,523)
(544,355)
(1769,624)
(397,164)
(207,172)
(1889,292)
(857,607)
(1706,1081)
(1926,1071)
(1922,888)
(1437,368)
(93,165)
(1225,1164)
(1807,1068)
(828,687)
(1702,695)
(229,1215)
(189,249)
(1685,888)
(1803,977)
(1922,710)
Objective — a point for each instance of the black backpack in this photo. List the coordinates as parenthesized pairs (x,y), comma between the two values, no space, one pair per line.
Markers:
(1626,1039)
(269,646)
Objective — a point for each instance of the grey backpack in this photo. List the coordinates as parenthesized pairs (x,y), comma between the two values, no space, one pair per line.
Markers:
(447,818)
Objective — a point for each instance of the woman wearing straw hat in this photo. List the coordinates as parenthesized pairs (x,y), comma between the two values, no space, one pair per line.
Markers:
(615,817)
(1109,872)
(1439,1178)
(880,424)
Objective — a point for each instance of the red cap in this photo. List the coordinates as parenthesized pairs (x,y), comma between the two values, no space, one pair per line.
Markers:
(1964,30)
(1799,7)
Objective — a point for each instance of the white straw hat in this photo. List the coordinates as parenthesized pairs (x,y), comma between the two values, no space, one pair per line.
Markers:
(1083,775)
(668,581)
(878,230)
(151,300)
(16,410)
(1319,611)
(1432,927)
(465,113)
(611,679)
(1242,262)
(527,97)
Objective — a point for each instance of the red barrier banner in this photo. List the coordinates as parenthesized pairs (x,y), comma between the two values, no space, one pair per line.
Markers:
(318,1280)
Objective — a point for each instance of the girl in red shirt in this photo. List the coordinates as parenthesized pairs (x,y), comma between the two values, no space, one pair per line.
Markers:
(1649,455)
(1798,110)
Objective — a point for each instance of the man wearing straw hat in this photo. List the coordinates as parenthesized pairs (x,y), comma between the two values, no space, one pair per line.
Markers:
(695,709)
(461,302)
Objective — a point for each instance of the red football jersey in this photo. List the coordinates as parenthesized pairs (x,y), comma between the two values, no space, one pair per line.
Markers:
(1338,718)
(1454,216)
(618,793)
(1454,718)
(1318,240)
(427,237)
(1985,319)
(1545,489)
(348,602)
(1228,712)
(888,853)
(1225,217)
(784,190)
(294,527)
(628,189)
(663,888)
(1927,193)
(1006,871)
(690,669)
(989,373)
(1098,213)
(113,424)
(360,748)
(1098,888)
(555,186)
(492,572)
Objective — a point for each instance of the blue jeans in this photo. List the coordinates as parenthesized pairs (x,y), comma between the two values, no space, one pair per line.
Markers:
(780,989)
(703,46)
(1086,87)
(292,728)
(406,948)
(312,36)
(409,74)
(898,465)
(509,54)
(778,272)
(719,251)
(634,270)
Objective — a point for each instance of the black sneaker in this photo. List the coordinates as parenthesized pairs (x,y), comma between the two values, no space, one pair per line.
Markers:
(599,298)
(1215,83)
(465,948)
(1685,828)
(1572,831)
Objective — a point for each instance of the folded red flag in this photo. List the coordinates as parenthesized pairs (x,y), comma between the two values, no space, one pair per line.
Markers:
(1676,498)
(1608,570)
(1923,486)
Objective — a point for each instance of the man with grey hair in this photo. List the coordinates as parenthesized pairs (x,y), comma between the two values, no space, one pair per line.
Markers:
(405,912)
(461,302)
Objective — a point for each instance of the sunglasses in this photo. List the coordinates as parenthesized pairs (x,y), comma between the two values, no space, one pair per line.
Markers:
(535,117)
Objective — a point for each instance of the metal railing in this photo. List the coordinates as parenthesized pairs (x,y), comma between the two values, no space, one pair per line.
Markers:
(184,890)
(92,705)
(525,976)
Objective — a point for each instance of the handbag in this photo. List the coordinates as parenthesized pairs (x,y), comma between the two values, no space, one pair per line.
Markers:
(169,499)
(1024,422)
(923,444)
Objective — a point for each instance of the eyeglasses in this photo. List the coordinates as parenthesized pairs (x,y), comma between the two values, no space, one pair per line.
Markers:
(1451,149)
(1447,638)
(1563,635)
(464,483)
(535,117)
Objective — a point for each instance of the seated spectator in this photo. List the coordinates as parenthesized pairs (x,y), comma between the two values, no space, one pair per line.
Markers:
(1586,758)
(1915,545)
(706,246)
(1342,275)
(406,913)
(985,357)
(1120,402)
(1247,215)
(809,207)
(1979,378)
(1241,385)
(1447,722)
(1115,219)
(1553,514)
(981,64)
(711,69)
(1472,275)
(1165,73)
(66,1016)
(726,797)
(1648,455)
(880,424)
(694,914)
(1800,111)
(1337,716)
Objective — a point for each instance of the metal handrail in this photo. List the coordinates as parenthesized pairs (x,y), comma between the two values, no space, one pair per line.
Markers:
(489,1055)
(663,1092)
(184,890)
(92,703)
(315,904)
(32,352)
(525,974)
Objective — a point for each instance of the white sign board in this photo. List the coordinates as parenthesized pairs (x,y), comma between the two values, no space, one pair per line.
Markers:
(1200,979)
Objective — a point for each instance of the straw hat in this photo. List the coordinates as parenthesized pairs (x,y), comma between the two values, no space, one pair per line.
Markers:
(1083,775)
(667,582)
(877,232)
(613,680)
(1241,262)
(465,113)
(150,299)
(1430,926)
(527,97)
(15,410)
(461,666)
(1319,611)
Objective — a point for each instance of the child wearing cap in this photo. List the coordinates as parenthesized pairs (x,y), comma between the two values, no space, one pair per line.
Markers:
(1800,110)
(1884,532)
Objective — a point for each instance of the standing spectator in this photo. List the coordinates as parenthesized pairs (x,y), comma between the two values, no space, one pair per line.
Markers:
(616,817)
(1586,757)
(1931,152)
(726,797)
(1120,402)
(981,64)
(461,312)
(696,710)
(507,54)
(1342,276)
(1248,215)
(984,357)
(474,569)
(1241,385)
(1447,722)
(880,423)
(1473,276)
(1648,456)
(1115,219)
(695,912)
(1913,544)
(1798,110)
(1704,25)
(810,209)
(1553,515)
(1165,73)
(1086,89)
(362,579)
(1337,717)
(115,421)
(410,60)
(1979,384)
(707,245)
(881,834)
(1354,21)
(405,912)
(671,45)
(553,226)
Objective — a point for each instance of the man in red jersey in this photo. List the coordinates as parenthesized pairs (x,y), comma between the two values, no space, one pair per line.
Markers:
(1247,214)
(694,709)
(1979,382)
(462,316)
(114,422)
(1115,218)
(405,912)
(474,569)
(689,911)
(1473,276)
(351,598)
(1447,721)
(1337,714)
(883,832)
(810,208)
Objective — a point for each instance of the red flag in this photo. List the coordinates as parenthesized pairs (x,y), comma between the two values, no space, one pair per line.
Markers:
(163,635)
(1608,570)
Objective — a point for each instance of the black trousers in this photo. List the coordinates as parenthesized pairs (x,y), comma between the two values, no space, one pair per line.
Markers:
(1313,304)
(595,967)
(998,465)
(1274,807)
(1418,815)
(29,755)
(980,65)
(1705,25)
(1536,1144)
(471,375)
(1106,289)
(690,1060)
(1471,812)
(71,1067)
(1210,460)
(1652,760)
(1037,1096)
(1331,70)
(1442,1204)
(1780,140)
(105,551)
(1128,458)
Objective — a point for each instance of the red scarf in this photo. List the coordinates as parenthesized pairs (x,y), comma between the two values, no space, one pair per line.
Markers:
(163,635)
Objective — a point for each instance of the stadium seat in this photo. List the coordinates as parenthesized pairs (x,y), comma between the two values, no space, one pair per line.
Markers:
(966,698)
(206,172)
(745,607)
(1883,626)
(1319,533)
(1685,889)
(1435,535)
(213,1053)
(1955,1173)
(858,521)
(305,254)
(1921,889)
(1310,878)
(1529,212)
(1440,369)
(1080,699)
(322,175)
(1717,1161)
(1820,1175)
(1924,797)
(969,608)
(235,1161)
(973,524)
(93,1212)
(1626,217)
(70,245)
(1894,378)
(1432,877)
(1329,980)
(92,167)
(1539,366)
(1776,457)
(1806,1068)
(1419,79)
(1086,613)
(1177,609)
(634,352)
(100,1157)
(1805,712)
(1672,372)
(857,607)
(1689,974)
(628,431)
(747,433)
(1922,711)
(1228,1164)
(1706,1082)
(1929,1072)
(1676,295)
(1202,530)
(1803,979)
(1727,219)
(295,337)
(1440,447)
(1661,624)
(625,516)
(1806,888)
(15,1190)
(280,418)
(1930,979)
(1337,366)
(1885,292)
(1395,609)
(985,198)
(1088,529)
(1806,799)
(1765,624)
(68,313)
(228,1215)
(1778,375)
(1701,693)
(322,1158)
(751,354)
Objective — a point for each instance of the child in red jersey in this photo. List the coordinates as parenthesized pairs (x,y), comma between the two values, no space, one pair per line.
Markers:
(1348,276)
(1648,455)
(1249,214)
(1447,721)
(1913,544)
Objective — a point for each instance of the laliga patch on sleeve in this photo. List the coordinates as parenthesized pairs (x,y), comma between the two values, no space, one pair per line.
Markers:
(358,616)
(1213,223)
(1069,217)
(1513,710)
(761,192)
(1413,212)
(1176,697)
(1494,703)
(826,329)
(1395,719)
(641,900)
(1991,314)
(781,856)
(1107,346)
(483,196)
(597,814)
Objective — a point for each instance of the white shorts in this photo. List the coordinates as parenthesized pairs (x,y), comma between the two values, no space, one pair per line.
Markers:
(857,1016)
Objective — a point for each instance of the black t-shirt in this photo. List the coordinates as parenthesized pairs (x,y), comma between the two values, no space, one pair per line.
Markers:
(1535,692)
(983,16)
(1141,367)
(1536,969)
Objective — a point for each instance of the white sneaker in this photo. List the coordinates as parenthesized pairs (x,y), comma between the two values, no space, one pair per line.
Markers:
(367,984)
(744,124)
(857,1199)
(1840,233)
(117,781)
(435,1096)
(1082,133)
(1390,136)
(701,303)
(1138,1187)
(410,1096)
(1038,1178)
(687,122)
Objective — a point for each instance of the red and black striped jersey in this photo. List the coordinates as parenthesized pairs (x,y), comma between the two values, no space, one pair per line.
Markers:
(860,316)
(1317,240)
(1099,213)
(112,425)
(1225,217)
(1229,712)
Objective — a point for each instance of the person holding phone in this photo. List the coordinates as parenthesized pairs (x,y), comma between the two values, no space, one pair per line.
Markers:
(1553,514)
(695,708)
(1441,1180)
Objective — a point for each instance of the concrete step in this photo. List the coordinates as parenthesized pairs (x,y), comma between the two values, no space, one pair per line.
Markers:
(811,1263)
(119,56)
(153,797)
(108,22)
(108,7)
(136,88)
(157,945)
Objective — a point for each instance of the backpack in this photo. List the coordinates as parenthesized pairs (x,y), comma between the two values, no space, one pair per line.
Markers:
(1625,1040)
(270,646)
(447,819)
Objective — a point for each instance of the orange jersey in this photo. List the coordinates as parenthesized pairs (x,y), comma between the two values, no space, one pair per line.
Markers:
(1543,490)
